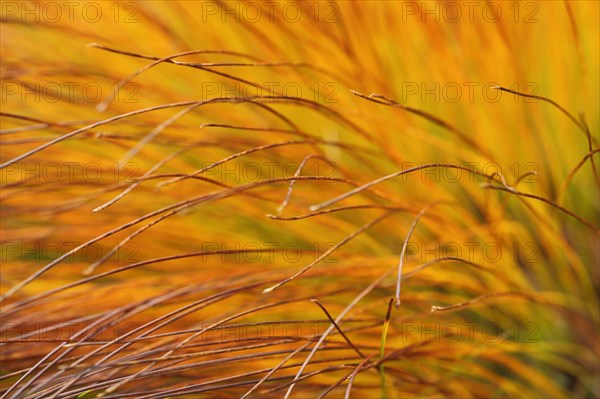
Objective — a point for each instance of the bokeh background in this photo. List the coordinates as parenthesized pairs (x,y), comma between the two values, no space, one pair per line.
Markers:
(172,305)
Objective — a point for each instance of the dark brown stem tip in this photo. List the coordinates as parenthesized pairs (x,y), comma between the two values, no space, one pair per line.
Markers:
(388,315)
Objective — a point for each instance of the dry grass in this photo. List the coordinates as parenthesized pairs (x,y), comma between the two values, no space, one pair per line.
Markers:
(166,238)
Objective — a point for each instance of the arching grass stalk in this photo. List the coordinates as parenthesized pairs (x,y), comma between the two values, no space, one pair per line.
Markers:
(384,332)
